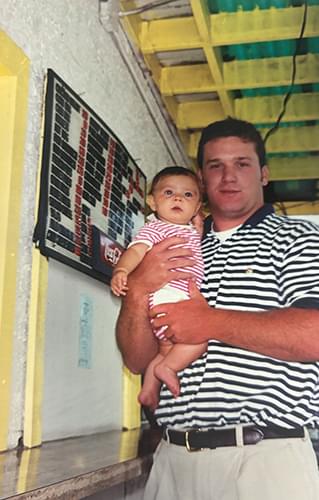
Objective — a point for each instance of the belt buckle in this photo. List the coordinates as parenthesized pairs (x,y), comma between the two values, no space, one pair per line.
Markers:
(188,446)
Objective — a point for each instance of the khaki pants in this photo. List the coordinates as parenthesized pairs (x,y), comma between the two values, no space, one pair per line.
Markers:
(273,469)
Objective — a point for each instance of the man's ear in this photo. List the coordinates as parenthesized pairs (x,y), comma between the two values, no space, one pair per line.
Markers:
(264,175)
(151,203)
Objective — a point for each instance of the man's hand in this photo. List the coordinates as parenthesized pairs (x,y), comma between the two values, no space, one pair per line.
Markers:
(159,266)
(185,320)
(198,222)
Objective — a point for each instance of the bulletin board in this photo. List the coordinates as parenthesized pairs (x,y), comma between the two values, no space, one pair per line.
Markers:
(92,193)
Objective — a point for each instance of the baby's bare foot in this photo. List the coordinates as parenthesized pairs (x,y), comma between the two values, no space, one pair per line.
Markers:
(169,377)
(148,398)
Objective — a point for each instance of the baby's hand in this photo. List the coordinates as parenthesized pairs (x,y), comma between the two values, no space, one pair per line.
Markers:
(119,283)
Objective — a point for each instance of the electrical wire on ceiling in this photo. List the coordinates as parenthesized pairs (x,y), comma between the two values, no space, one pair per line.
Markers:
(145,7)
(273,129)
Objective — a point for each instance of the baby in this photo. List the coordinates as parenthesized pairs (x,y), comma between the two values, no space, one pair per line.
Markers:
(175,200)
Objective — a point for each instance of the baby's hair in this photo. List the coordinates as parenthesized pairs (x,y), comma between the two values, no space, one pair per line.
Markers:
(174,170)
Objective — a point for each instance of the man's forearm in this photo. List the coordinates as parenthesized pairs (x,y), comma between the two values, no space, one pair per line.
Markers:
(134,334)
(290,334)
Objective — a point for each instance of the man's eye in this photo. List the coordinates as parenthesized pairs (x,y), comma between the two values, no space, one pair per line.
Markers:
(168,192)
(188,194)
(243,164)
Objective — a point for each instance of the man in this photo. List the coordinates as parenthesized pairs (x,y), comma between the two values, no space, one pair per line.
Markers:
(244,404)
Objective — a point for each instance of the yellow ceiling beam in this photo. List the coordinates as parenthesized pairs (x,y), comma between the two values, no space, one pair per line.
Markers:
(169,34)
(293,139)
(199,114)
(258,25)
(187,79)
(154,67)
(297,208)
(132,25)
(266,109)
(170,103)
(285,168)
(261,25)
(270,72)
(284,140)
(300,107)
(213,55)
(249,74)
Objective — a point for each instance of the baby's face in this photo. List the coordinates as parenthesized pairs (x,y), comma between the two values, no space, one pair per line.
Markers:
(176,199)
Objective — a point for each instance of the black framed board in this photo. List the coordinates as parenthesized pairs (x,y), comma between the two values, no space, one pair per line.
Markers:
(92,193)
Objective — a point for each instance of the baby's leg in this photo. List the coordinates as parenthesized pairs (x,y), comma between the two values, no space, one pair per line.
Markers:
(149,394)
(178,358)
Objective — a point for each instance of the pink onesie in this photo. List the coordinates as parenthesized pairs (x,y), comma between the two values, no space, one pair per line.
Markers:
(155,231)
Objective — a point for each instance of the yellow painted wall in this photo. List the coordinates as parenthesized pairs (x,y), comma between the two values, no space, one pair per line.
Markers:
(14,75)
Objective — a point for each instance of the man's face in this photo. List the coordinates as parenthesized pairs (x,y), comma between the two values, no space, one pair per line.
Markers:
(233,180)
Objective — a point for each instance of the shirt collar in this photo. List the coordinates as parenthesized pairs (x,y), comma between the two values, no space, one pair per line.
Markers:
(252,221)
(259,215)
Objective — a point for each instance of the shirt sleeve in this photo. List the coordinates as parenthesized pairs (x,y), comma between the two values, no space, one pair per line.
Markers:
(299,279)
(148,235)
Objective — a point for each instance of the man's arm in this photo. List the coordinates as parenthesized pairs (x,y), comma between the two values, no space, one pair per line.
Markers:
(289,334)
(133,331)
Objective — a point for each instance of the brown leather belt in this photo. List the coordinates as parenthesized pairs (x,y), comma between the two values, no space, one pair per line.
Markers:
(196,440)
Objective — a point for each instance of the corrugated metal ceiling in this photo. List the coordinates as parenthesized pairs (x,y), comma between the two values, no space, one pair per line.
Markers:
(214,58)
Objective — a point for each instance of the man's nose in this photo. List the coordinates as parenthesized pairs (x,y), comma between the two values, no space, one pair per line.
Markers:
(229,174)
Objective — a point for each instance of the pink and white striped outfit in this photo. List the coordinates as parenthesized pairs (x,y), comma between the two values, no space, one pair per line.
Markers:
(155,231)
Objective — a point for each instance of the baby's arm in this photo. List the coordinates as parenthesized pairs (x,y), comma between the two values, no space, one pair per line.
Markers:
(129,260)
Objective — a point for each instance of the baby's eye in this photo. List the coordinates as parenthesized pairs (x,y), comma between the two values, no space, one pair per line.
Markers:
(188,194)
(168,192)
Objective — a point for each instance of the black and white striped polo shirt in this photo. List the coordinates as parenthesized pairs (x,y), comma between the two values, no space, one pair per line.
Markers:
(269,262)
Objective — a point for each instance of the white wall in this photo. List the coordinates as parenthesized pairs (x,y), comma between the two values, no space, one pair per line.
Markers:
(79,400)
(69,37)
(311,218)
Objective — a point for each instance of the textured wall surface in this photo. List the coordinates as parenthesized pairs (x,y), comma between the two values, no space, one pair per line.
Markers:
(69,37)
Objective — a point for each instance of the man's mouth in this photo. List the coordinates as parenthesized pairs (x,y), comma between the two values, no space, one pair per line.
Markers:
(229,191)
